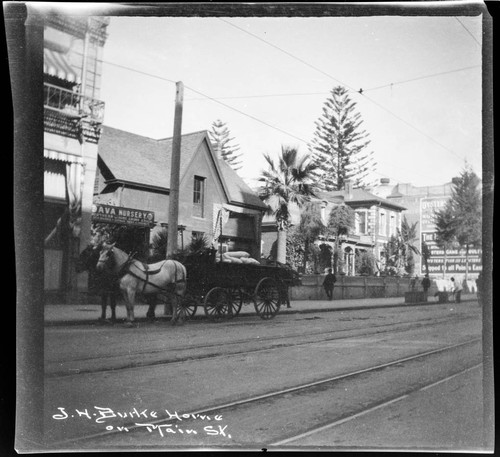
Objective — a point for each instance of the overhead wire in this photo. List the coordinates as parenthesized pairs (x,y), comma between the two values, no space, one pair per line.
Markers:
(220,103)
(299,94)
(360,91)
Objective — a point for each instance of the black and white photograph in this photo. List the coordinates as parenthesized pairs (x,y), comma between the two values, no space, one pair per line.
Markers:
(253,227)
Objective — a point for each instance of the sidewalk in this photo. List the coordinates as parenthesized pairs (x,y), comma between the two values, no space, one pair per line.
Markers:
(90,313)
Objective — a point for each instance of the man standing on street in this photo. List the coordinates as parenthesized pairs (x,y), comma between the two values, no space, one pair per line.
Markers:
(426,284)
(329,283)
(457,290)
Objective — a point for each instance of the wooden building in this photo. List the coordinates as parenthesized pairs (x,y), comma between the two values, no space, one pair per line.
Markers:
(214,202)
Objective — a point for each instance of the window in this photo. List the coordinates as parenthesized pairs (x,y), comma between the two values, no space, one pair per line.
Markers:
(361,223)
(392,224)
(382,224)
(198,196)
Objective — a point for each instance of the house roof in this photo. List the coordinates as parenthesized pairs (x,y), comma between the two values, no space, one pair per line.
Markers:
(358,197)
(144,161)
(239,191)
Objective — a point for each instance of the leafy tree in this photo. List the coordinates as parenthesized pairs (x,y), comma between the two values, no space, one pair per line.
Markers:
(311,227)
(325,256)
(445,234)
(467,211)
(285,183)
(221,140)
(340,144)
(340,222)
(393,266)
(365,263)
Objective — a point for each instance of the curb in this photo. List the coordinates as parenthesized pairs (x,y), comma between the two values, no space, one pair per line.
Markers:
(202,317)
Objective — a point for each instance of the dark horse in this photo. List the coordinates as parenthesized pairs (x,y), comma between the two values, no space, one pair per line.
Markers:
(102,282)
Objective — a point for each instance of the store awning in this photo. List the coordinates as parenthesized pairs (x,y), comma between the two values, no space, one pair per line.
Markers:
(62,156)
(56,64)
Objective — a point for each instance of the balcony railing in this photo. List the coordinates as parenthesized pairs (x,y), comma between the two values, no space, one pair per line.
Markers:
(73,104)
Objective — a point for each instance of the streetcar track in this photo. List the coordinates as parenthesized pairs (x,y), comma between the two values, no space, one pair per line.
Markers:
(397,327)
(290,390)
(372,408)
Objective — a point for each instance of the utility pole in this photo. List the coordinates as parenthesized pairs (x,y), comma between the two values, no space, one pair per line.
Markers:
(173,209)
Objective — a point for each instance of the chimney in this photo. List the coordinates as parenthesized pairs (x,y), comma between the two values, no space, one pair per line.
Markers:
(348,188)
(384,181)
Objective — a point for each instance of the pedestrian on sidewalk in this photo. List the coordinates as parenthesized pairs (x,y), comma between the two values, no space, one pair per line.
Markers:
(479,288)
(329,283)
(457,290)
(426,284)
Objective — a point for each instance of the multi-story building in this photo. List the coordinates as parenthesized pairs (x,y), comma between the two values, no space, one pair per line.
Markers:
(421,203)
(73,114)
(376,220)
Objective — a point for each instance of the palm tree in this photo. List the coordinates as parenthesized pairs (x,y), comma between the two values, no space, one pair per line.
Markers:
(407,236)
(340,222)
(288,182)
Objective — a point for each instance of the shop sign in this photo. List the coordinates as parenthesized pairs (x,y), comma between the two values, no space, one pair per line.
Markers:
(117,215)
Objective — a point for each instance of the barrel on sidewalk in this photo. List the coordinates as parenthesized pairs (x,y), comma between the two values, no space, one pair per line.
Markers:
(415,297)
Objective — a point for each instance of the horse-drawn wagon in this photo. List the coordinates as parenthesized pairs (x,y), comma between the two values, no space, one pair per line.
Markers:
(223,288)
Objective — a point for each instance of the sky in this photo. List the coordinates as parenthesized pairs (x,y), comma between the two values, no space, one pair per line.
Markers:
(268,78)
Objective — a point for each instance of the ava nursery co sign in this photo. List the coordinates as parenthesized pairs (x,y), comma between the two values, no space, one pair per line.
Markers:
(119,215)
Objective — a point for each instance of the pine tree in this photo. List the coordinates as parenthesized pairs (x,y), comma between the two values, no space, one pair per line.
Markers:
(466,207)
(445,233)
(339,145)
(221,141)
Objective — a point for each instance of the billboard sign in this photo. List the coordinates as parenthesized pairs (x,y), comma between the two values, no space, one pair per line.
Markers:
(455,258)
(427,208)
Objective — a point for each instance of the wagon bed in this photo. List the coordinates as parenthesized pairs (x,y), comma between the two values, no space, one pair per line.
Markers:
(223,288)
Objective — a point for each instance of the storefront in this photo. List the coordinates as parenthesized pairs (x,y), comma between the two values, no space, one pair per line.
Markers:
(128,227)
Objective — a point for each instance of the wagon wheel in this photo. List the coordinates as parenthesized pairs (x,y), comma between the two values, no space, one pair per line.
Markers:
(216,303)
(188,305)
(235,302)
(267,298)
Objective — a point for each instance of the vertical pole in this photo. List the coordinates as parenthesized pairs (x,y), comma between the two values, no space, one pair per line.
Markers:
(173,209)
(220,236)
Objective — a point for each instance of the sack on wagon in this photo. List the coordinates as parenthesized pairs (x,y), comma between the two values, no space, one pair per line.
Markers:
(236,254)
(250,260)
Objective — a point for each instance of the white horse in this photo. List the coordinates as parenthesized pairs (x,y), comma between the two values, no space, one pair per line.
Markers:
(167,277)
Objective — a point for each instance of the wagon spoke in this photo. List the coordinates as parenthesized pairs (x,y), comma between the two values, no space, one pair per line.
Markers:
(216,303)
(267,298)
(188,305)
(235,302)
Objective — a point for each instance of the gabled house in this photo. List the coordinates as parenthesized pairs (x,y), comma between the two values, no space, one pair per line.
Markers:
(376,220)
(134,173)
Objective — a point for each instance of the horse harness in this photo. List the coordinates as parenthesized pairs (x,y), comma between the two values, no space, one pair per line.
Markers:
(126,270)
